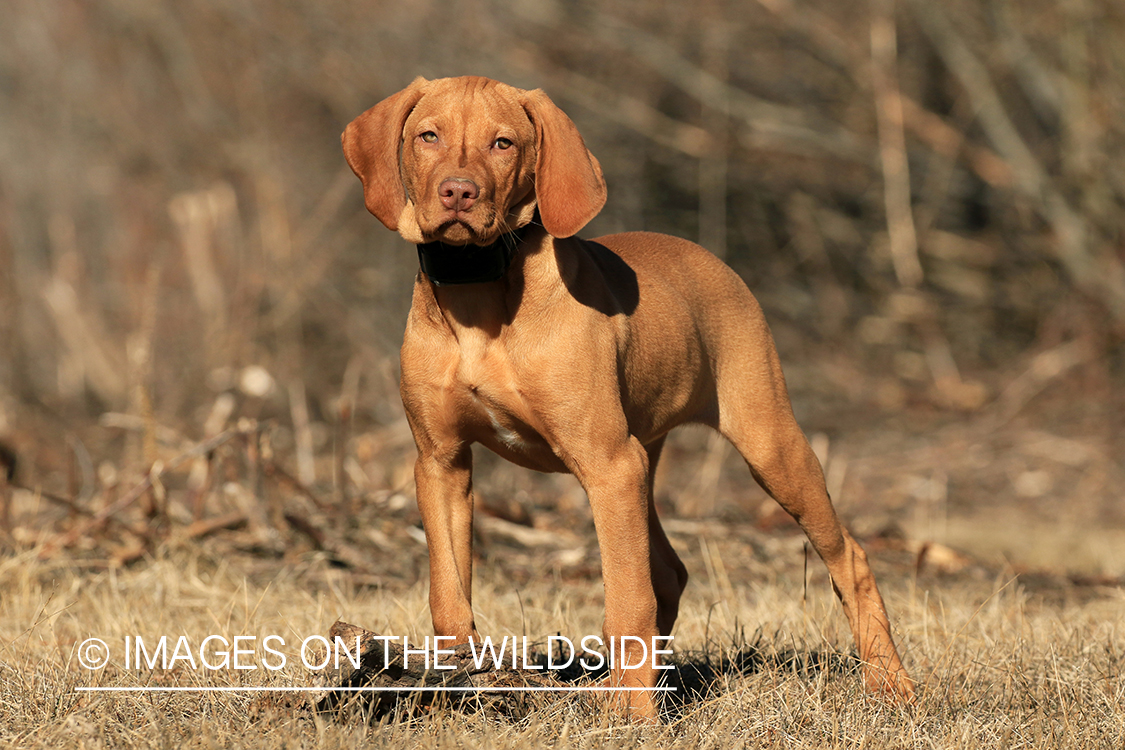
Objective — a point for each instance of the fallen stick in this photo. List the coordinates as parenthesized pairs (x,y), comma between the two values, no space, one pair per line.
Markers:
(399,676)
(207,526)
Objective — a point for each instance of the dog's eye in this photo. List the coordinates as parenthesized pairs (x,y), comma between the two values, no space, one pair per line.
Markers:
(503,144)
(429,136)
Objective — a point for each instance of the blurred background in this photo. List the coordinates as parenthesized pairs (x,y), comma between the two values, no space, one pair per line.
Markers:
(925,197)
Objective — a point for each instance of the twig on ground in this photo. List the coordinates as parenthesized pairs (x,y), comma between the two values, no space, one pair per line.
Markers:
(66,502)
(275,470)
(1044,368)
(130,497)
(208,526)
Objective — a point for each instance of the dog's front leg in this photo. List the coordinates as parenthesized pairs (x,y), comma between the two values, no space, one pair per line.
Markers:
(445,499)
(617,484)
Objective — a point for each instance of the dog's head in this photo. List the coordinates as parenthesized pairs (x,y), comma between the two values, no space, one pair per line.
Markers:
(464,160)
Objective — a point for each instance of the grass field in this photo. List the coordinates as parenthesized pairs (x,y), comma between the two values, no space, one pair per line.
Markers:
(1001,662)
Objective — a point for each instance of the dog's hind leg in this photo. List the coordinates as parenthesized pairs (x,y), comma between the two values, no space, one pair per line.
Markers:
(756,416)
(669,576)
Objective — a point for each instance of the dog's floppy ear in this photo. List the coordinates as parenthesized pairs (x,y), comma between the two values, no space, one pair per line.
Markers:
(569,186)
(373,144)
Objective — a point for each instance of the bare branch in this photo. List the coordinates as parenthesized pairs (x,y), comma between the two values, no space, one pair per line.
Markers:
(892,148)
(1103,276)
(773,126)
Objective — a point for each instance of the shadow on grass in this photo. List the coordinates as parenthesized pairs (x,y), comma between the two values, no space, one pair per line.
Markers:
(701,676)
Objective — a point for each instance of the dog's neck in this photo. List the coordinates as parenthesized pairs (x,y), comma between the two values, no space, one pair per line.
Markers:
(533,278)
(448,265)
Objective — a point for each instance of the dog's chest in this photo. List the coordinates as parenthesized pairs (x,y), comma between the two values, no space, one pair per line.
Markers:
(495,421)
(490,388)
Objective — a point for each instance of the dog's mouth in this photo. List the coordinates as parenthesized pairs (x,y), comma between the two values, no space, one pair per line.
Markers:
(458,231)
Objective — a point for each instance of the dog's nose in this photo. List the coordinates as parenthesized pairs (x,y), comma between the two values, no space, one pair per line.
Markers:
(458,195)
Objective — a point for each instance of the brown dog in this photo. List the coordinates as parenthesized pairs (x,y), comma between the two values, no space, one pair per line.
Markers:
(562,354)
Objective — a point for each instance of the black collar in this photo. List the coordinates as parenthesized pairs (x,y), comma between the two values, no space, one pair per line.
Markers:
(469,264)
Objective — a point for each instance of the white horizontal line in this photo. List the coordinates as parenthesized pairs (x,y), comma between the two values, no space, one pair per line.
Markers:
(467,689)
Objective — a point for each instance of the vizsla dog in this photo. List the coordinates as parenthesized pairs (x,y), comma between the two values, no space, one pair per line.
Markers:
(564,354)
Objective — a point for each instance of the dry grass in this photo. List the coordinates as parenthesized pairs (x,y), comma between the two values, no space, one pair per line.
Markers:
(1001,666)
(1015,652)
